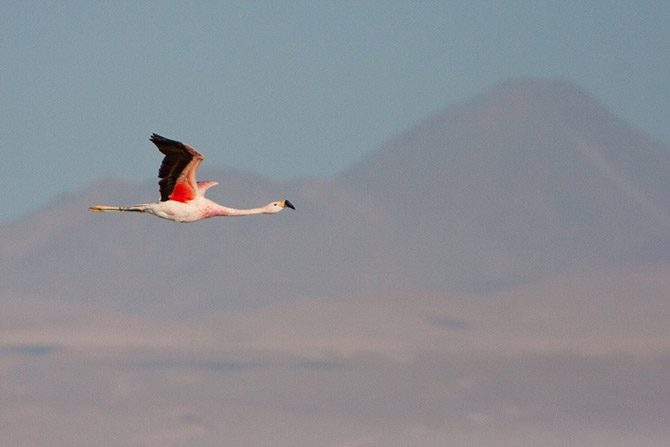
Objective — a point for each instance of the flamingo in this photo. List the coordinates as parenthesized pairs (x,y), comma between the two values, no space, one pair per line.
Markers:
(182,196)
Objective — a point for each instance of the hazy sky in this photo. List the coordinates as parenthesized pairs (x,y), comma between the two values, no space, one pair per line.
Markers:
(288,89)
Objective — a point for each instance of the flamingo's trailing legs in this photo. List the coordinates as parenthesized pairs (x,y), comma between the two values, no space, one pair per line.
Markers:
(182,196)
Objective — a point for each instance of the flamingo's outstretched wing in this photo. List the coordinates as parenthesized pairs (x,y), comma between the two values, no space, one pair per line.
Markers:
(178,170)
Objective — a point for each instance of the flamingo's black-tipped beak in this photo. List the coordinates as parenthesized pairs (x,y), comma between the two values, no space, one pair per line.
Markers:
(288,204)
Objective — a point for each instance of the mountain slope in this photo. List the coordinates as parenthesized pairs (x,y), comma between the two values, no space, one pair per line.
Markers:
(528,178)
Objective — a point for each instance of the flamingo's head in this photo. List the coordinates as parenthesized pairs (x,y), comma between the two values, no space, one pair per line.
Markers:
(275,207)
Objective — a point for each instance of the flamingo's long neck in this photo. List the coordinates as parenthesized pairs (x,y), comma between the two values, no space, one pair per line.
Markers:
(220,210)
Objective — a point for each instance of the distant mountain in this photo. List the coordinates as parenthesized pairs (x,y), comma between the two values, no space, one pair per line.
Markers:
(529,180)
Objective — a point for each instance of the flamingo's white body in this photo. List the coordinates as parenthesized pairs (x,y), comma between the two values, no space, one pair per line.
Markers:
(182,197)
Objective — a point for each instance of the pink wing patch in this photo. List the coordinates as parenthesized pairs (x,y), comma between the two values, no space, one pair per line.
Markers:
(182,192)
(204,186)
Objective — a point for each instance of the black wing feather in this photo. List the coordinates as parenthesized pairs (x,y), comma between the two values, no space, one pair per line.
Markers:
(177,157)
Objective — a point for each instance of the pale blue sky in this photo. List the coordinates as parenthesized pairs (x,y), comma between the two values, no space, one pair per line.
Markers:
(288,89)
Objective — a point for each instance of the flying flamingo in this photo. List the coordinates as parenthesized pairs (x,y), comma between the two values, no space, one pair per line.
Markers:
(182,197)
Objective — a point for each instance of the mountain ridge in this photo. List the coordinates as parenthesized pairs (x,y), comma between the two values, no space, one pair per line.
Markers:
(500,190)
